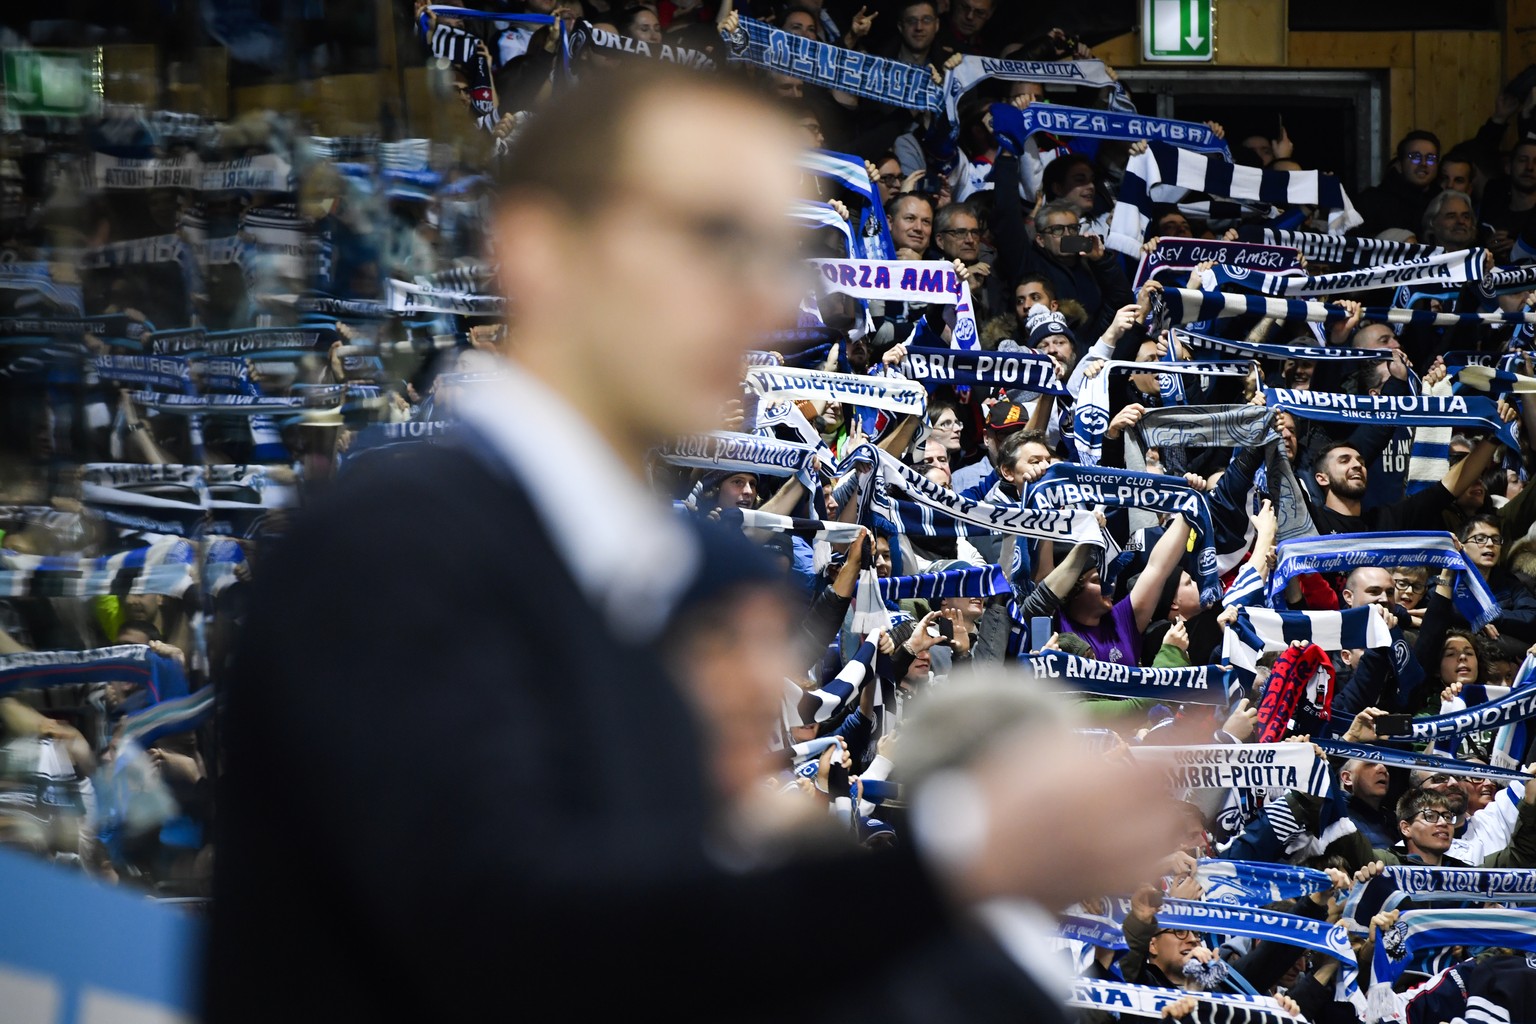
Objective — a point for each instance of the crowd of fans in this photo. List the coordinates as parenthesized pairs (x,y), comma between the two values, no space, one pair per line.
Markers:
(202,322)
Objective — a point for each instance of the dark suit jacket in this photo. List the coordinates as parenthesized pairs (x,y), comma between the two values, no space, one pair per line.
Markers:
(447,787)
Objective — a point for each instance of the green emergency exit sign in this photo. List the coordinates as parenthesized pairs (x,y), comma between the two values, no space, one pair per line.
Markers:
(1178,30)
(51,83)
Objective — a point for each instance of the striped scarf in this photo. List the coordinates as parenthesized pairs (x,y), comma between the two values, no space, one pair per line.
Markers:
(163,567)
(162,677)
(873,239)
(1072,526)
(1394,758)
(742,453)
(1187,305)
(1429,456)
(836,695)
(1447,268)
(1166,165)
(1120,998)
(1344,552)
(1419,930)
(1336,249)
(1090,414)
(1263,350)
(1256,883)
(815,214)
(1258,630)
(976,581)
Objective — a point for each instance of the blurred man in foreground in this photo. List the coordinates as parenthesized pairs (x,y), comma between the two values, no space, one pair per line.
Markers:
(505,798)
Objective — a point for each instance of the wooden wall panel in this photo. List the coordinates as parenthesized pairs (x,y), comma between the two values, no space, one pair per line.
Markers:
(1456,76)
(1353,50)
(1251,33)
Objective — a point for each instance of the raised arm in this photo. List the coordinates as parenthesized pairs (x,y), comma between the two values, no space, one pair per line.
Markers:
(1164,559)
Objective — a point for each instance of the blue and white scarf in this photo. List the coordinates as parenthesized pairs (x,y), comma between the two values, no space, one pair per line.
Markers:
(932,281)
(1499,885)
(893,394)
(1260,630)
(1240,766)
(406,297)
(1193,684)
(1090,73)
(976,581)
(167,372)
(815,214)
(1264,350)
(1162,164)
(1507,281)
(1419,930)
(1345,552)
(1065,484)
(1069,526)
(1446,268)
(1188,253)
(814,530)
(251,343)
(1021,371)
(181,714)
(164,567)
(1404,411)
(1112,125)
(122,663)
(114,328)
(742,453)
(1340,249)
(890,81)
(1284,929)
(1395,758)
(873,239)
(1090,414)
(1187,306)
(840,692)
(328,396)
(1120,998)
(1517,705)
(1258,883)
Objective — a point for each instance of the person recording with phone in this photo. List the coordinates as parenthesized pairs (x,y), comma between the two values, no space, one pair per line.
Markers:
(1077,264)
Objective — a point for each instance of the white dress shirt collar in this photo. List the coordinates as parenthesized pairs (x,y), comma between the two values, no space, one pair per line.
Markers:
(628,552)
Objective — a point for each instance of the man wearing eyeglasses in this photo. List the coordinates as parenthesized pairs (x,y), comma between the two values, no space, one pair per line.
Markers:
(1095,280)
(957,235)
(963,30)
(1430,815)
(917,32)
(1400,199)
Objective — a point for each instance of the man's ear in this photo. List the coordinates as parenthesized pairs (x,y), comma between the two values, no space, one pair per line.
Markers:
(1403,828)
(1321,480)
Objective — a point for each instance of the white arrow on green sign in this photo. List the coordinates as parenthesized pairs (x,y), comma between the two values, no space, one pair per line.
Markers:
(1177,30)
(51,83)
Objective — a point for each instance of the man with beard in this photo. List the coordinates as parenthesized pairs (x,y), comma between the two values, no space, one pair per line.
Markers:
(1340,474)
(1508,202)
